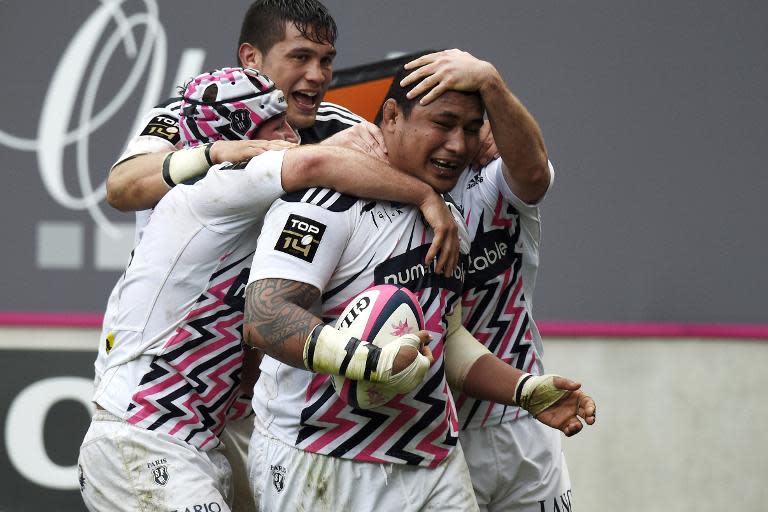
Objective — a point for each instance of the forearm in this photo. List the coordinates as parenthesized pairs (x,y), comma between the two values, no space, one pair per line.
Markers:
(276,319)
(518,139)
(351,172)
(470,367)
(491,379)
(137,183)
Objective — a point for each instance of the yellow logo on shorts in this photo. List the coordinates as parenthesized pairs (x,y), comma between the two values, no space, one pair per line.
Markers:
(110,341)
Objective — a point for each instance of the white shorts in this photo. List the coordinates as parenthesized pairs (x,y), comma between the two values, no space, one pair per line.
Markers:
(518,466)
(126,468)
(235,439)
(287,478)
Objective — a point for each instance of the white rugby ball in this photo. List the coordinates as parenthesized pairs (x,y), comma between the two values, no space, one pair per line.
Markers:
(378,315)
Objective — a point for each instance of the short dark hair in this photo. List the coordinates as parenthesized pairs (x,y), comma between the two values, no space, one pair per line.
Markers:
(265,21)
(398,92)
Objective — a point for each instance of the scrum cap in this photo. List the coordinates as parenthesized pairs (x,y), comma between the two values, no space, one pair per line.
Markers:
(229,104)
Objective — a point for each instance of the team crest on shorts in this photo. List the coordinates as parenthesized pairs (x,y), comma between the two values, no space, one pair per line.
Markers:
(278,477)
(241,121)
(159,471)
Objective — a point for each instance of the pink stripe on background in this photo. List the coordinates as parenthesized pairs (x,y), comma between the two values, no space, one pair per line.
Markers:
(35,319)
(653,330)
(548,329)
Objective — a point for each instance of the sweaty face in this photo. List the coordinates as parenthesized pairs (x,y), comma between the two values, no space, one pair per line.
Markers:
(436,142)
(276,128)
(303,70)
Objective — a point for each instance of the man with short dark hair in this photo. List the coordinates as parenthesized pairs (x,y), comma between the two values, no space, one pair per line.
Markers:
(310,447)
(516,463)
(292,42)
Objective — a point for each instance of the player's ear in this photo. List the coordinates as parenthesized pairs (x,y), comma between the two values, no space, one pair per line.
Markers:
(250,56)
(390,115)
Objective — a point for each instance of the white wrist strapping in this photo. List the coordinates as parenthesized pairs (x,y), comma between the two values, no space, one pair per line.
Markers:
(535,393)
(329,351)
(462,350)
(181,165)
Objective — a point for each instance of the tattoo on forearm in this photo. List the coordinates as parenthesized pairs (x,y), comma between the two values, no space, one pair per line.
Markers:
(276,311)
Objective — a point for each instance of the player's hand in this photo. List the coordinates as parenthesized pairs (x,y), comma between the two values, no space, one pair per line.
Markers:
(449,70)
(488,150)
(240,150)
(365,137)
(404,362)
(445,242)
(407,353)
(567,413)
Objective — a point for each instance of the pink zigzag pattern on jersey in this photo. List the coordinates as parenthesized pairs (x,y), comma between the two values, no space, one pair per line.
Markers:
(511,308)
(332,416)
(427,442)
(518,312)
(498,220)
(204,350)
(406,412)
(240,408)
(434,324)
(195,399)
(218,291)
(318,381)
(146,405)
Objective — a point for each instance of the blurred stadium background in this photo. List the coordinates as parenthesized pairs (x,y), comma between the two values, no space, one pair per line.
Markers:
(653,272)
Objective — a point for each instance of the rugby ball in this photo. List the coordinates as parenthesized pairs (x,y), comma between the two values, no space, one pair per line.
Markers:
(378,315)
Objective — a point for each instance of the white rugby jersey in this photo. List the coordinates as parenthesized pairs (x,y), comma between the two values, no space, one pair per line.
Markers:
(342,246)
(176,323)
(497,301)
(159,132)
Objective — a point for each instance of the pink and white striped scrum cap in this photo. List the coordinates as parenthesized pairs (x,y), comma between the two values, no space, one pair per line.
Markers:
(229,104)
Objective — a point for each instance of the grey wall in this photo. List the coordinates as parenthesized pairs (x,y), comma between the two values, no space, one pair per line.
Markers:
(653,115)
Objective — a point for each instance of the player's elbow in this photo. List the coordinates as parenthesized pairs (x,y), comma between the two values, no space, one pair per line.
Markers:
(536,181)
(117,193)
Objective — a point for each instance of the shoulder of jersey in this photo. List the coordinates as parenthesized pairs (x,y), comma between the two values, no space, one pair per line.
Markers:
(330,119)
(327,111)
(323,197)
(173,104)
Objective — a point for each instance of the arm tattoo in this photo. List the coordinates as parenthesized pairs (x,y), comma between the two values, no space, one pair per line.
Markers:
(275,313)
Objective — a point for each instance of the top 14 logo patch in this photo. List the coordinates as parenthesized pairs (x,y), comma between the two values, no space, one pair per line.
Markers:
(300,237)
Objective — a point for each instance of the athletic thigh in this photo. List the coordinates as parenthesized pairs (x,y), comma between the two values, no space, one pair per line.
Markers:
(125,468)
(286,478)
(517,466)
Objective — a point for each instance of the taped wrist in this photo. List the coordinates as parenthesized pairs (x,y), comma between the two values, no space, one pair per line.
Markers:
(536,393)
(329,351)
(179,166)
(462,350)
